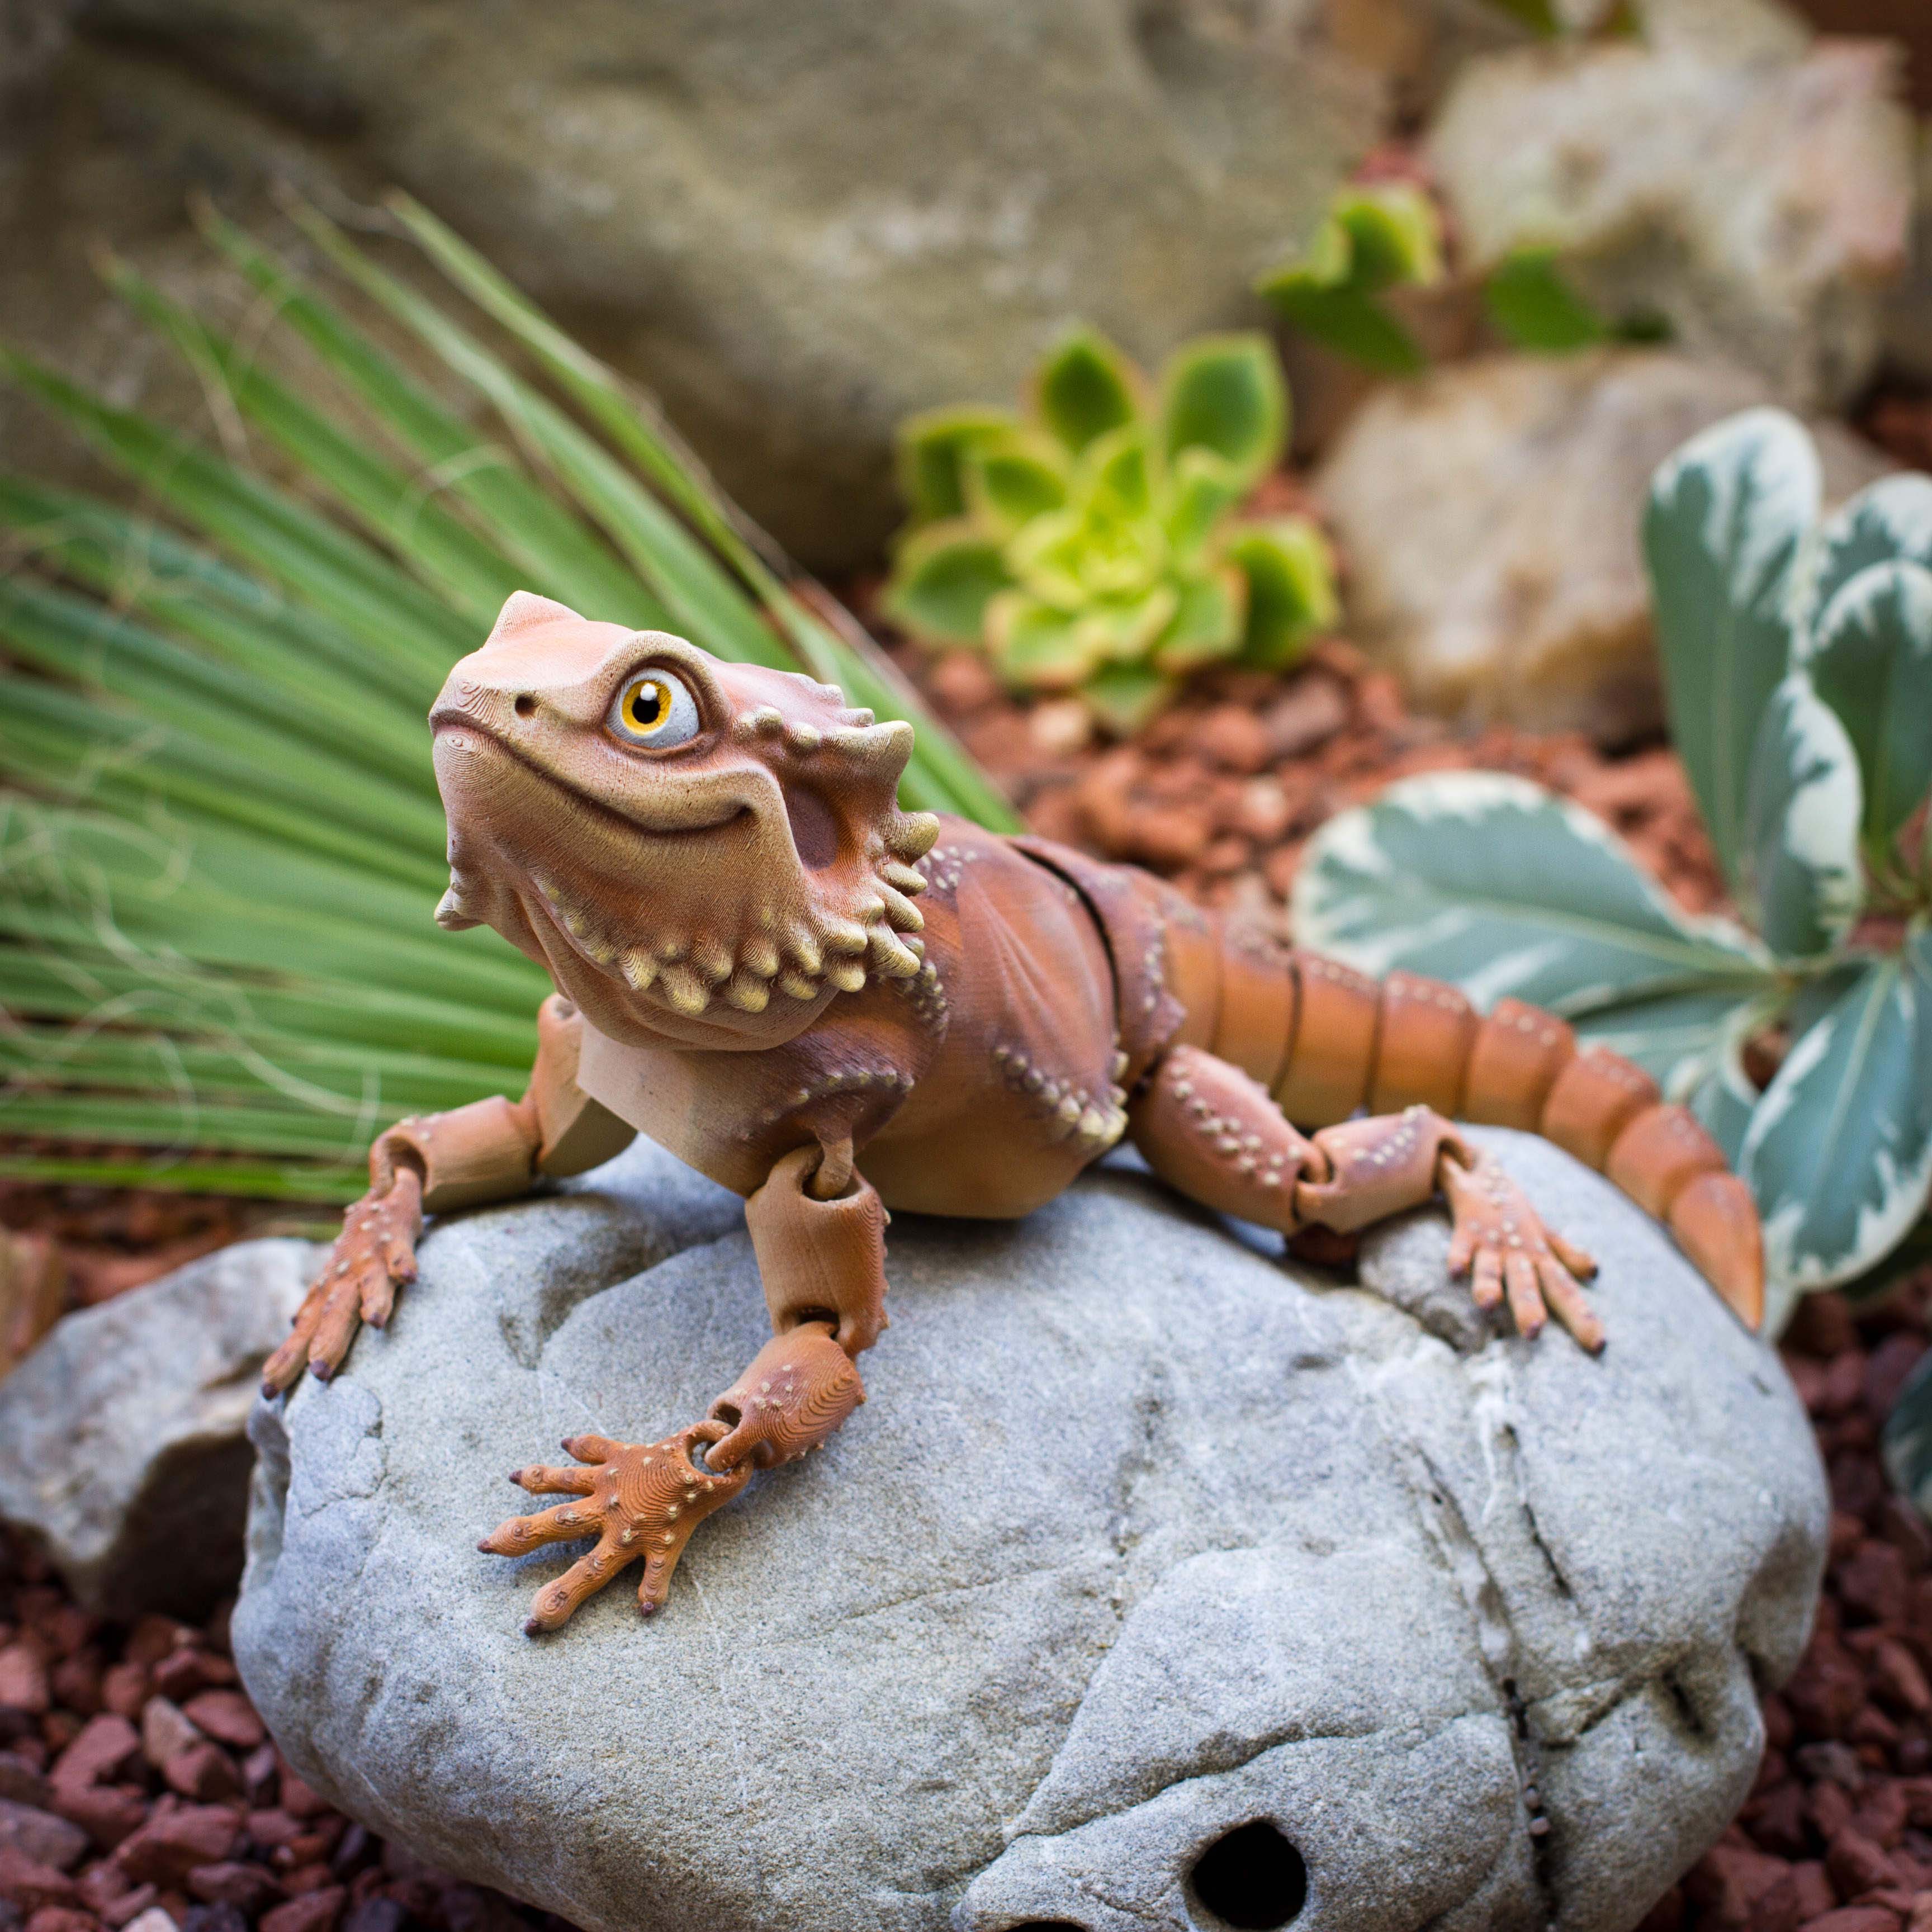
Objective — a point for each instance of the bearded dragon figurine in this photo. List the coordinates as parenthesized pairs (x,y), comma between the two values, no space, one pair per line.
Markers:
(834,1007)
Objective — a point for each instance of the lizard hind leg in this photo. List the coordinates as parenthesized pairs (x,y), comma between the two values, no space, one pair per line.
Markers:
(1210,1131)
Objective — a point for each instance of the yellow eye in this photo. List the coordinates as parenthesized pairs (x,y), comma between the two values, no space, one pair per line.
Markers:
(655,708)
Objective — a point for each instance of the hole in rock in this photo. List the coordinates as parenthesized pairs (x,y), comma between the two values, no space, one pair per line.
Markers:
(1251,1878)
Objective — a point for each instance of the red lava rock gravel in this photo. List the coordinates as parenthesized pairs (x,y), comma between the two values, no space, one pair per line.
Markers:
(1836,1835)
(1220,793)
(139,1790)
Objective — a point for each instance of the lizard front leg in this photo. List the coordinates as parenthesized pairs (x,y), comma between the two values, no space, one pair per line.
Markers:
(822,1264)
(491,1150)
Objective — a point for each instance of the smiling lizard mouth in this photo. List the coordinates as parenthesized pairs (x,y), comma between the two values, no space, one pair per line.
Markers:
(457,729)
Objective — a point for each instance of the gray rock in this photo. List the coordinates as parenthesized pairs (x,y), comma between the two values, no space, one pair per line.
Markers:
(798,223)
(1140,1538)
(123,1436)
(1756,194)
(1490,513)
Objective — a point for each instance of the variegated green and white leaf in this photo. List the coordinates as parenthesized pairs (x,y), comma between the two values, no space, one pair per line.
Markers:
(1801,872)
(1840,1151)
(1503,887)
(1889,521)
(1870,658)
(1724,1099)
(1908,1438)
(1678,1038)
(1728,517)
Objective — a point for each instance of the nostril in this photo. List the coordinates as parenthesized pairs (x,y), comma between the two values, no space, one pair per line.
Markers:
(1251,1878)
(1047,1925)
(527,705)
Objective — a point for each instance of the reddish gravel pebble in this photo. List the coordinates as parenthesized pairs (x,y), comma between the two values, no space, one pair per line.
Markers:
(173,1842)
(184,1808)
(315,1912)
(1836,1835)
(1221,792)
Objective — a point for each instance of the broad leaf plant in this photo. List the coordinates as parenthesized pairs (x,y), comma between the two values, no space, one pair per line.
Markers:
(1094,543)
(1797,657)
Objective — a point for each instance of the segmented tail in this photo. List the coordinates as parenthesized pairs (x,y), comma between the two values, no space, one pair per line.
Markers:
(1324,1039)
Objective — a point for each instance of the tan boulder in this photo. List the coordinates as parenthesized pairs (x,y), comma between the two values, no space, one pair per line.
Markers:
(1489,514)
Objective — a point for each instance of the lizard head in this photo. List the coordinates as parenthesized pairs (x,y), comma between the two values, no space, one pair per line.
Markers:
(705,852)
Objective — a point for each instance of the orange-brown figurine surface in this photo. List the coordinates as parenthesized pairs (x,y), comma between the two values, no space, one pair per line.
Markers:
(837,1008)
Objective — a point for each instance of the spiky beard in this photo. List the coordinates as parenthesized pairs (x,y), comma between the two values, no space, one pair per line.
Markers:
(651,928)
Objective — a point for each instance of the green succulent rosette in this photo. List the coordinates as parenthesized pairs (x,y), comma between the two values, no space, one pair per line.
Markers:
(1093,543)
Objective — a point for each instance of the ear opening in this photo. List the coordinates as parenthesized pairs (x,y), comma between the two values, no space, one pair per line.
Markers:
(523,611)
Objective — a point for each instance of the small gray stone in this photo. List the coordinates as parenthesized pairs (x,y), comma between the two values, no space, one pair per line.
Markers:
(1140,1538)
(123,1437)
(40,1835)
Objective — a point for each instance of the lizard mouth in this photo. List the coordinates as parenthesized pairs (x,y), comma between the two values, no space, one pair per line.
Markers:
(460,730)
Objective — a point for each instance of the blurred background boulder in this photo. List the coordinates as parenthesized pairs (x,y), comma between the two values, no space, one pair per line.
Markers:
(797,223)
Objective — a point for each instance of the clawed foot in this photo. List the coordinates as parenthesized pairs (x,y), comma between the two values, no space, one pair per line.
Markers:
(636,1501)
(374,1255)
(1500,1243)
(645,1501)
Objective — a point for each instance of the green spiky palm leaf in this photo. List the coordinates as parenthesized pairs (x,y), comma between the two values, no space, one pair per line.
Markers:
(220,842)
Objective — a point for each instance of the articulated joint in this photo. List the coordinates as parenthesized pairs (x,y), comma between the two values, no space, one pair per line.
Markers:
(483,1152)
(821,1260)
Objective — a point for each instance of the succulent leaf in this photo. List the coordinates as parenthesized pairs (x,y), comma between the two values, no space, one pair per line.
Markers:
(1870,658)
(1011,478)
(1097,538)
(932,449)
(944,578)
(1290,571)
(1533,304)
(1801,860)
(1351,323)
(1225,393)
(1115,478)
(1211,613)
(1728,516)
(1202,488)
(1375,236)
(1122,630)
(1124,696)
(1396,233)
(1840,1149)
(1085,387)
(1889,521)
(1037,646)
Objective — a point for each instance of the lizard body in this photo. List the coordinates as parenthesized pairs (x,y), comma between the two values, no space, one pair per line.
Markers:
(834,1007)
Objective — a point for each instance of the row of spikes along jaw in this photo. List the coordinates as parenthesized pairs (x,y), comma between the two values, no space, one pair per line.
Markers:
(806,930)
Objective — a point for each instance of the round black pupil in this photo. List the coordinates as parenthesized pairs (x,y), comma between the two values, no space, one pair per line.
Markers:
(647,705)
